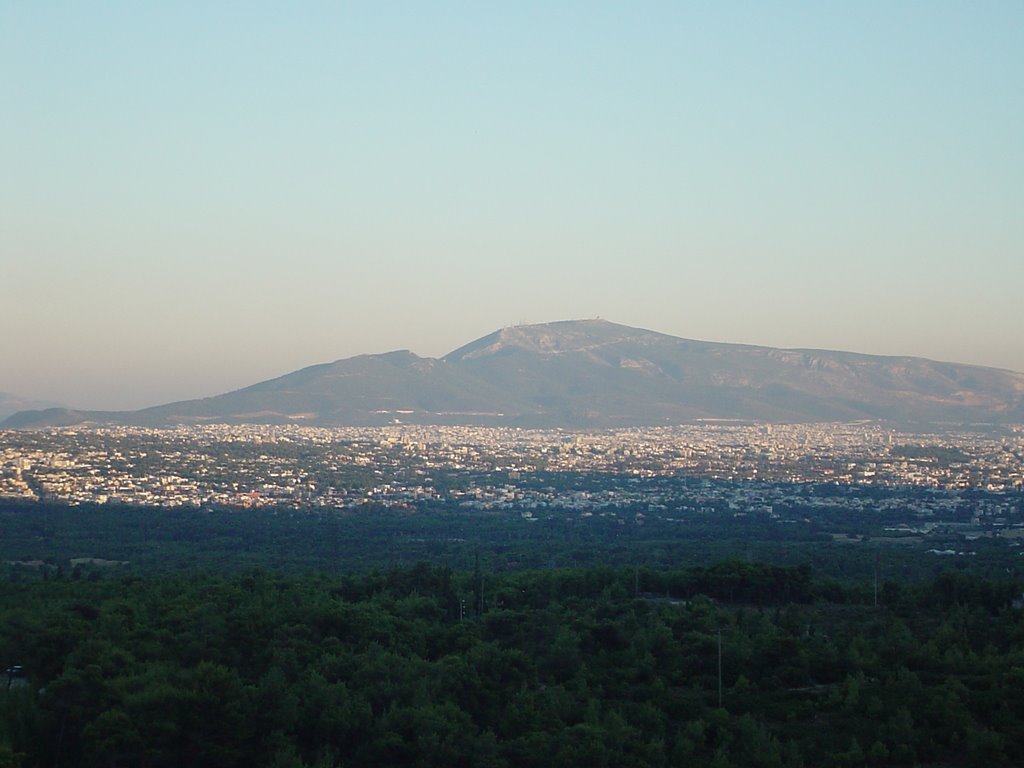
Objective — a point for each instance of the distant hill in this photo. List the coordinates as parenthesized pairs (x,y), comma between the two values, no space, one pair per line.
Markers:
(10,404)
(593,373)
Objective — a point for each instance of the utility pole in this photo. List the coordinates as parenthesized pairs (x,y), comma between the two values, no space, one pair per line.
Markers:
(719,667)
(478,587)
(876,579)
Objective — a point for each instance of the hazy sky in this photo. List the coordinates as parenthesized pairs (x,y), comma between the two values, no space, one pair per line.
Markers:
(197,196)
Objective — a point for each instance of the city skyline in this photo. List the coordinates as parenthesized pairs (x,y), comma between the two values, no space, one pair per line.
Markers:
(196,198)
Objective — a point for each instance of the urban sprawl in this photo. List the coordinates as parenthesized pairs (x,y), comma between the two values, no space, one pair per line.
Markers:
(487,468)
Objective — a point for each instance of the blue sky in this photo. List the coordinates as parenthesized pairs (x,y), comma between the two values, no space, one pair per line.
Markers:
(197,196)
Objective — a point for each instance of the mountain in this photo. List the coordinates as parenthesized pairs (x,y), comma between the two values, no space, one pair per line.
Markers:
(601,372)
(10,404)
(593,373)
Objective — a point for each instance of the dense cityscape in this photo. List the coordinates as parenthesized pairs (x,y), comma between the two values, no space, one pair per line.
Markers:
(957,481)
(347,467)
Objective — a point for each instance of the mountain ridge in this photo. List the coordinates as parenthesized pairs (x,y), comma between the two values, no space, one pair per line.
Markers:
(591,374)
(11,404)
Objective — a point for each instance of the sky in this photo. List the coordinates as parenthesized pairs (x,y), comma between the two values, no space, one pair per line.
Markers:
(195,196)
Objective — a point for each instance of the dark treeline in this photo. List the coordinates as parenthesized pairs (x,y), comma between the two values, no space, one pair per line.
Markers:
(45,536)
(596,666)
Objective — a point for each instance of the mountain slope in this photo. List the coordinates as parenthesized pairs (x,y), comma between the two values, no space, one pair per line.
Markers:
(609,372)
(10,404)
(367,389)
(593,373)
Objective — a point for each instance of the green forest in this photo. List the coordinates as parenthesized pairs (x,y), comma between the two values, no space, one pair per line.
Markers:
(735,664)
(143,541)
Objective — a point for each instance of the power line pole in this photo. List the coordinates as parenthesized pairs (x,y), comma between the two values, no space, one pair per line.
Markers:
(876,580)
(719,667)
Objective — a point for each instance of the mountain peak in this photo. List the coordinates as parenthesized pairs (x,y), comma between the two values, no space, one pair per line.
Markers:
(550,339)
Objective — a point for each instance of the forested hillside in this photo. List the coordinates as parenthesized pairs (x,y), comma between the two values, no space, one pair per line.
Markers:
(590,667)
